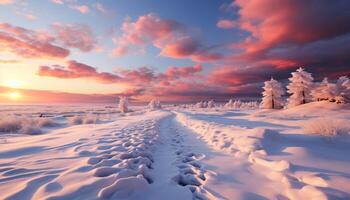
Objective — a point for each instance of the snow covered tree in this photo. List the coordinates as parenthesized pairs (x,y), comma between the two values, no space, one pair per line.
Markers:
(229,104)
(343,87)
(272,95)
(205,104)
(237,104)
(123,104)
(199,104)
(211,104)
(154,104)
(300,88)
(321,91)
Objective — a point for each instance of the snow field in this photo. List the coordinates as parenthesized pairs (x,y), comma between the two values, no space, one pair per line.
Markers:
(85,161)
(262,144)
(183,154)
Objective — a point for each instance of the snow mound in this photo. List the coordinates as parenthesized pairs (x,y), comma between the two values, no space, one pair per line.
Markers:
(124,187)
(321,108)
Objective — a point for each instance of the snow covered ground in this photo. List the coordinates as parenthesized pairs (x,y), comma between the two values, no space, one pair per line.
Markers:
(96,152)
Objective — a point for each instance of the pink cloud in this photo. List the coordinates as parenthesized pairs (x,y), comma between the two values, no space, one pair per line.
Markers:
(78,70)
(102,9)
(288,34)
(83,9)
(140,81)
(75,35)
(28,43)
(291,22)
(120,51)
(182,72)
(180,48)
(57,1)
(168,35)
(226,24)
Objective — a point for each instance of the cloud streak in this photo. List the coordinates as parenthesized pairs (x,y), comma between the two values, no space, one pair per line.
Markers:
(29,44)
(75,35)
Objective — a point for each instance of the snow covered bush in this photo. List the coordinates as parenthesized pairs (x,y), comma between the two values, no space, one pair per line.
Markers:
(327,127)
(32,126)
(249,105)
(272,95)
(123,104)
(300,88)
(154,105)
(238,104)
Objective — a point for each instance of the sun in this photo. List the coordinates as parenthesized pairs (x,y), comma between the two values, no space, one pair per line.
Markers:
(14,95)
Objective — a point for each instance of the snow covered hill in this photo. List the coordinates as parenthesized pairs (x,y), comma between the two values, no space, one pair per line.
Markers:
(184,154)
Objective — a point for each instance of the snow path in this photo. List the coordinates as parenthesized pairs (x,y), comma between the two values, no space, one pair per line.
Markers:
(227,176)
(163,168)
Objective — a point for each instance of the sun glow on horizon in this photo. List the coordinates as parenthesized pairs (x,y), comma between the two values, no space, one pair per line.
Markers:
(14,95)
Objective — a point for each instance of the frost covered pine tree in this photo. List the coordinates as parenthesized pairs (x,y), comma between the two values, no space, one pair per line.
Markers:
(123,104)
(229,104)
(211,104)
(154,104)
(300,88)
(272,95)
(343,87)
(321,91)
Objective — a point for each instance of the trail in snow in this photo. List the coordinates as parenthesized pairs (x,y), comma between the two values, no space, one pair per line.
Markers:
(226,176)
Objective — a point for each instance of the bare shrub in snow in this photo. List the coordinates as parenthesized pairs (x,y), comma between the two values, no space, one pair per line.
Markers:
(272,95)
(46,122)
(79,119)
(327,127)
(10,125)
(300,88)
(90,119)
(75,120)
(13,124)
(123,104)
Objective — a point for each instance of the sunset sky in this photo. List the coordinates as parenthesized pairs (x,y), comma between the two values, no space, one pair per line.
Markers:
(185,50)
